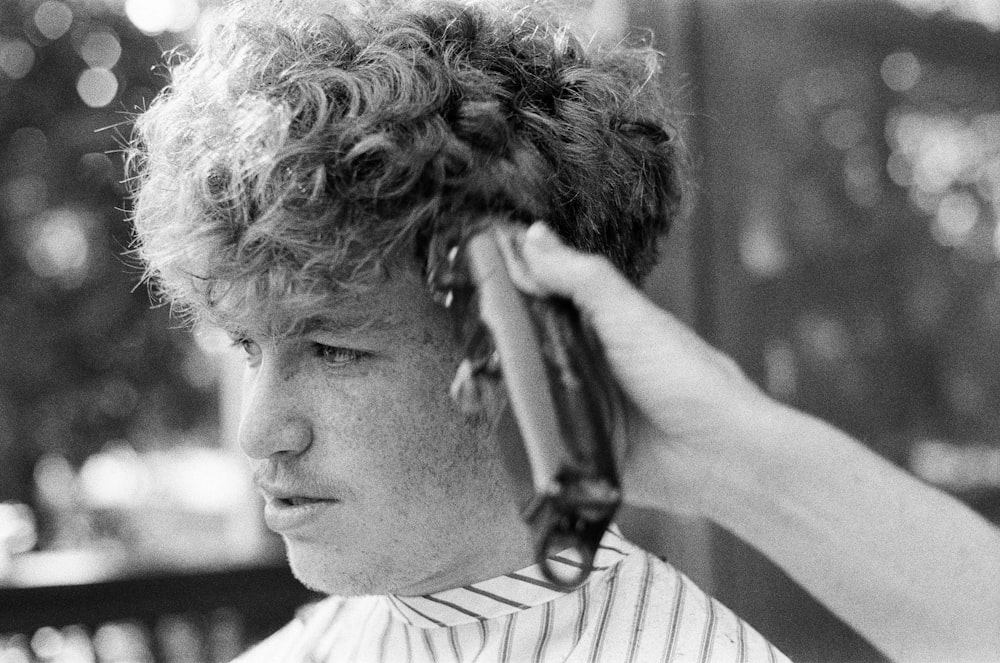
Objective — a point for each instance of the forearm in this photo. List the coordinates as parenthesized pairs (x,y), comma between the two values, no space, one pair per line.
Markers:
(910,568)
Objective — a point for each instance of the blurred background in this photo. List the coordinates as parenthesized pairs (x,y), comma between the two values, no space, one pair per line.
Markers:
(841,240)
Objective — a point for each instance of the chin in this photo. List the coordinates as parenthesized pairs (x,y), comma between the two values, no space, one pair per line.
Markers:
(334,571)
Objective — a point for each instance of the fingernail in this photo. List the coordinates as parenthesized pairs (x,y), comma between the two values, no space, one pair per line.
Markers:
(512,244)
(542,238)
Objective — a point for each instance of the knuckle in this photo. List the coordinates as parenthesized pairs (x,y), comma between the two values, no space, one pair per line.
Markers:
(593,268)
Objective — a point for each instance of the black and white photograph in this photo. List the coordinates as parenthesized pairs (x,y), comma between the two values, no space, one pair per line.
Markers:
(499,331)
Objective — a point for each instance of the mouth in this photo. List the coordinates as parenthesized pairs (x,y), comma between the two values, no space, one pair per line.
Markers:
(297,501)
(292,512)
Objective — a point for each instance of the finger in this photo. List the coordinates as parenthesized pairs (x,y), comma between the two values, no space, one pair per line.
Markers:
(623,315)
(510,244)
(591,281)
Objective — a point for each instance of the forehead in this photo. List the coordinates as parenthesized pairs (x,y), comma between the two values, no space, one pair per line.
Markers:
(399,303)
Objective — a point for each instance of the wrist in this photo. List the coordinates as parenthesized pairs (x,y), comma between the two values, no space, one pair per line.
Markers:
(755,441)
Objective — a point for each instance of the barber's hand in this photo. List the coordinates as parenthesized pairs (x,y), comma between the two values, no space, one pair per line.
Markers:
(687,400)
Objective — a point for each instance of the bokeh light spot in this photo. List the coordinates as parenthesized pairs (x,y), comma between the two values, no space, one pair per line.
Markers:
(96,166)
(956,216)
(54,476)
(762,246)
(114,478)
(121,641)
(186,14)
(823,338)
(60,248)
(901,71)
(100,49)
(17,57)
(25,196)
(47,643)
(18,528)
(16,651)
(97,87)
(156,16)
(53,19)
(150,16)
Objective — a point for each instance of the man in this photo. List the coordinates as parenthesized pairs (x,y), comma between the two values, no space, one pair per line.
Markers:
(285,184)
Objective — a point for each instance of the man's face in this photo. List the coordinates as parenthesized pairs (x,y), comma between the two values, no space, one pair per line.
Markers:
(371,475)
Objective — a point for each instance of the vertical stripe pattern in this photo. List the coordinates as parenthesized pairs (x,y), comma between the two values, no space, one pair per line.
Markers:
(675,621)
(543,637)
(633,609)
(709,638)
(640,610)
(602,625)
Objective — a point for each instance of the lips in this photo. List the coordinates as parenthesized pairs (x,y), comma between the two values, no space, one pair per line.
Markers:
(292,493)
(297,501)
(286,510)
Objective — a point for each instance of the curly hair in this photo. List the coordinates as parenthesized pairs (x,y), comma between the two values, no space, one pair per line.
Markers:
(305,146)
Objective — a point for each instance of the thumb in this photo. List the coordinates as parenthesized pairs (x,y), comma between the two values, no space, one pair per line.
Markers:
(542,264)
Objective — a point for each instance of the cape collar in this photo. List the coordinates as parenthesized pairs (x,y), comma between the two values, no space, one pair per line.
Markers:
(503,595)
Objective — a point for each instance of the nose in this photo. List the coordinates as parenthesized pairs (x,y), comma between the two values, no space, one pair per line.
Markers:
(272,420)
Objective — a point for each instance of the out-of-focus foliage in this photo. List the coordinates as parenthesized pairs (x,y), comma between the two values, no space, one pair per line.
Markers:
(863,161)
(850,201)
(83,358)
(984,12)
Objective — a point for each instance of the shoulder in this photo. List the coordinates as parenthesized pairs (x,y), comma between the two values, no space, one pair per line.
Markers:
(656,608)
(273,647)
(298,635)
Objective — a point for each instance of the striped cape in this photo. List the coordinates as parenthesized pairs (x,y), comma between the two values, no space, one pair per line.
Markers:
(634,608)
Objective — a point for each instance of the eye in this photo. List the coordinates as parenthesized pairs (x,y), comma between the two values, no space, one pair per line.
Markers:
(337,356)
(249,347)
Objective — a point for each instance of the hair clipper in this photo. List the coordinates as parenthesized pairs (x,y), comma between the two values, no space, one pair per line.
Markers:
(558,385)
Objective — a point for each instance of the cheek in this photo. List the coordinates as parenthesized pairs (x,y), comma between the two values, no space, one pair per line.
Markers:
(428,436)
(426,421)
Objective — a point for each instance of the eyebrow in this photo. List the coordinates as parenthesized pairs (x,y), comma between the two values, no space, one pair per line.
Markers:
(346,324)
(341,325)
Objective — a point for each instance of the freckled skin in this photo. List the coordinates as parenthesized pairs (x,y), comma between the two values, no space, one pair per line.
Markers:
(425,503)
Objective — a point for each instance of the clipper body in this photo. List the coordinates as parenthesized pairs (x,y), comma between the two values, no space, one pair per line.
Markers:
(558,385)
